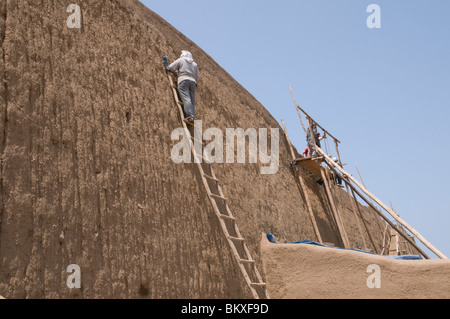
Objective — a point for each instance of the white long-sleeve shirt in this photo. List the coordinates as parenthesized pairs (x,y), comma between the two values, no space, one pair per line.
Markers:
(186,69)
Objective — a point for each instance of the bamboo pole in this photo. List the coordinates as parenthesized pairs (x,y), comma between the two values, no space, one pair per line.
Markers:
(302,184)
(379,202)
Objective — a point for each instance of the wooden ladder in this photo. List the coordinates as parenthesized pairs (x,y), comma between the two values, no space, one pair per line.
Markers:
(393,243)
(219,203)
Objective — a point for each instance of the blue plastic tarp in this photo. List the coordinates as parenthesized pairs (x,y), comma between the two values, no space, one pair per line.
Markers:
(272,239)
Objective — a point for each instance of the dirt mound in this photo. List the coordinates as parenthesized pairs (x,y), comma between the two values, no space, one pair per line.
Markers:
(303,271)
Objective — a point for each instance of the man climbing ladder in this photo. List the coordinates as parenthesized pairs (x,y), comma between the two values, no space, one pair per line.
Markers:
(222,210)
(188,75)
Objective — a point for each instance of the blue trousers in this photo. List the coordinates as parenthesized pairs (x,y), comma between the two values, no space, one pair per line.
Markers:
(187,89)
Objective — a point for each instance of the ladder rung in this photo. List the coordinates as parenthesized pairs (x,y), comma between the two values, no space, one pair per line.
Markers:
(197,140)
(235,238)
(218,196)
(227,217)
(207,160)
(188,123)
(246,261)
(211,178)
(258,284)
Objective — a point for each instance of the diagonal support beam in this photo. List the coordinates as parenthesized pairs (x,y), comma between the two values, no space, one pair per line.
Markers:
(381,204)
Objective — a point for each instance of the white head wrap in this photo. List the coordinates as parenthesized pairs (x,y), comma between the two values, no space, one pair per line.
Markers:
(187,55)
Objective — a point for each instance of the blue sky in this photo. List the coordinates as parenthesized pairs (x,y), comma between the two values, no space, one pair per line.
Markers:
(384,93)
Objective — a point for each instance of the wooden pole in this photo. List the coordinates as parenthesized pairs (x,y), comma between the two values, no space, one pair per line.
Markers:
(307,115)
(356,211)
(371,205)
(298,112)
(355,205)
(337,152)
(379,202)
(302,184)
(359,174)
(337,217)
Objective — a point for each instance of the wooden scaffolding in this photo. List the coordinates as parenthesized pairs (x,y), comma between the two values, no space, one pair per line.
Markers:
(353,188)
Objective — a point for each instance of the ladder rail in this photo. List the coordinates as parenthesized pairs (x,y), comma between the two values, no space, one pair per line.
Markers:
(239,235)
(222,217)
